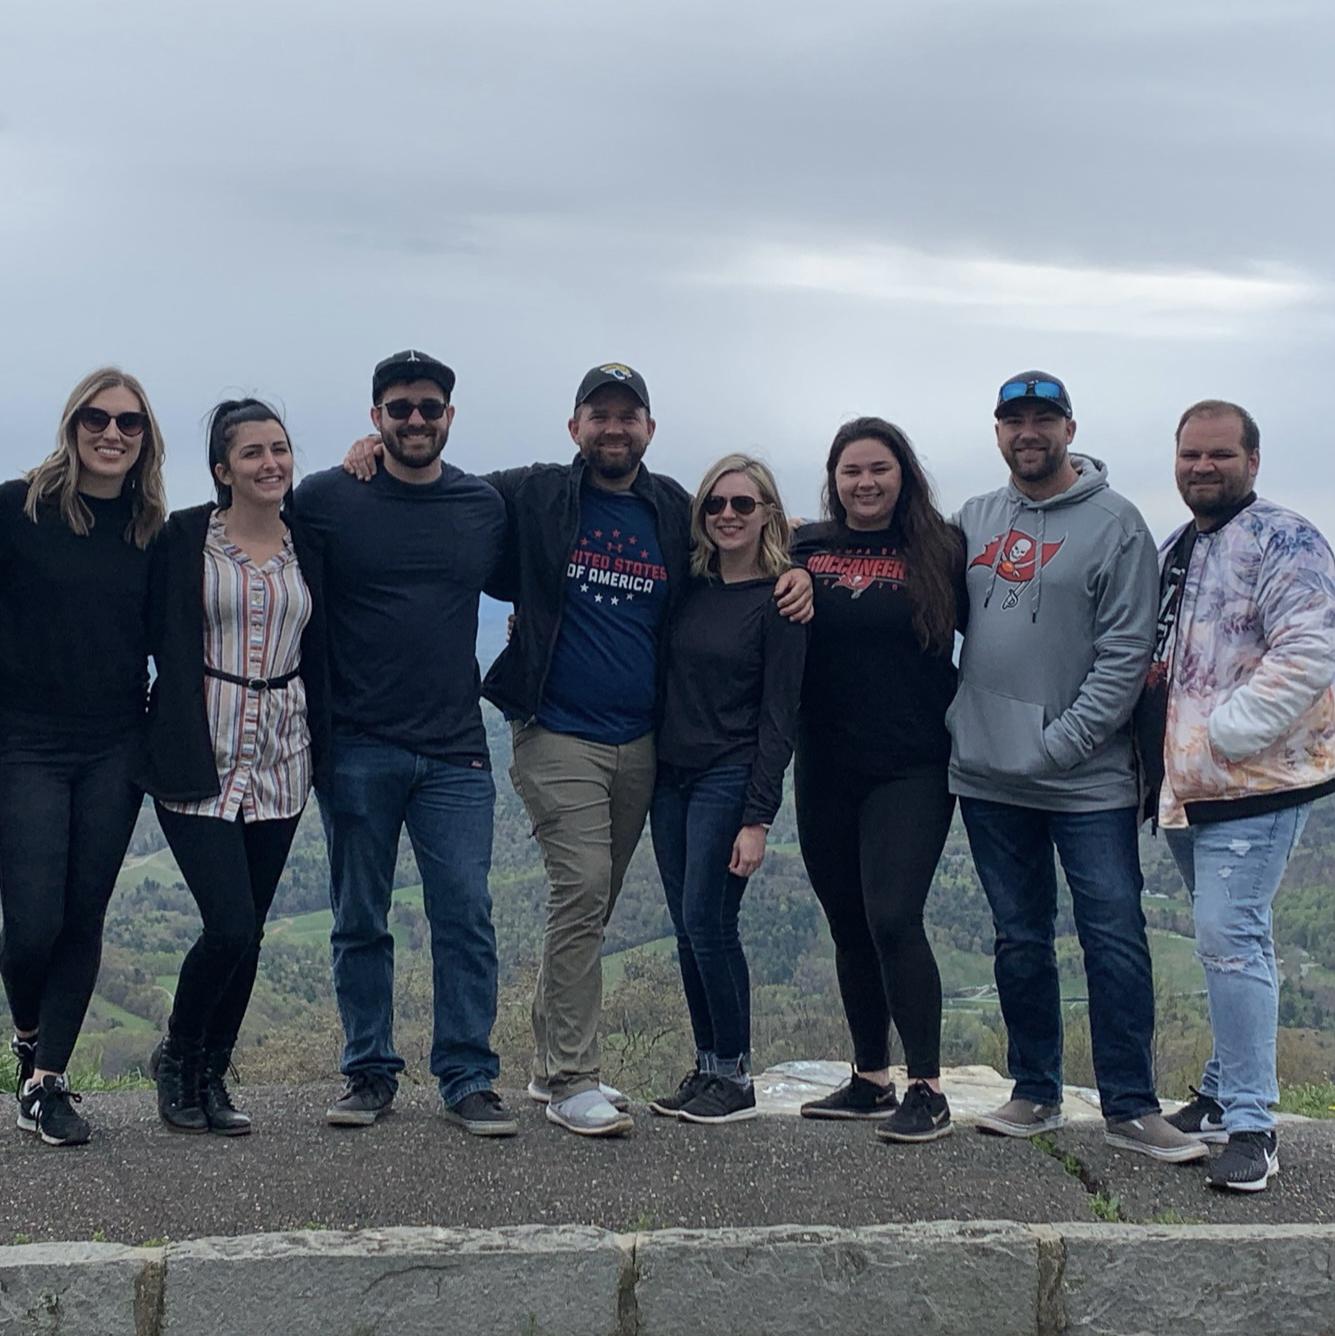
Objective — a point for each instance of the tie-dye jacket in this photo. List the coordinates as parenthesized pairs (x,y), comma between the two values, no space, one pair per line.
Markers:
(1251,708)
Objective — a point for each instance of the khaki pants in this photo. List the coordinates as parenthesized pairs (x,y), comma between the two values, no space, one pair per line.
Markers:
(587,802)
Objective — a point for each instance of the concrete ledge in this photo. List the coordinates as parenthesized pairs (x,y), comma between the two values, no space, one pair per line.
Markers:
(94,1289)
(1204,1279)
(526,1281)
(927,1278)
(938,1277)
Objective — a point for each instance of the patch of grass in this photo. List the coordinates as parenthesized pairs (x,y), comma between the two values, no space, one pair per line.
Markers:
(82,1078)
(155,1242)
(1106,1207)
(644,1223)
(1173,1217)
(98,1236)
(21,1239)
(1067,1161)
(1312,1101)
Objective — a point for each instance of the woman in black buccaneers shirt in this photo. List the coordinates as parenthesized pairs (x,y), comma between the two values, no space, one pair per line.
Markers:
(873,807)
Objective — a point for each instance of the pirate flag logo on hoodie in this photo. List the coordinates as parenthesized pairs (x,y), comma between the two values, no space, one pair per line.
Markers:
(1016,559)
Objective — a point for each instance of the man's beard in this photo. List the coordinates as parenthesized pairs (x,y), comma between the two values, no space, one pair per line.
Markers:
(613,469)
(420,459)
(1217,501)
(1038,469)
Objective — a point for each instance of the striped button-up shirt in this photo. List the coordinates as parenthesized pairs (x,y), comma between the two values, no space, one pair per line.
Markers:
(253,619)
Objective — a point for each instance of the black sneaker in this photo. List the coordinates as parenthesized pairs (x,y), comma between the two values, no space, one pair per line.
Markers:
(48,1110)
(1202,1119)
(719,1100)
(363,1100)
(1246,1164)
(923,1116)
(671,1105)
(482,1114)
(25,1060)
(856,1098)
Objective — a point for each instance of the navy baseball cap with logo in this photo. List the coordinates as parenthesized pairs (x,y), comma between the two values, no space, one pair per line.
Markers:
(407,366)
(1034,387)
(613,373)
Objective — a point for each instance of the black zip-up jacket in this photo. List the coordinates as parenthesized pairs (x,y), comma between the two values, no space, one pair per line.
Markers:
(179,763)
(542,522)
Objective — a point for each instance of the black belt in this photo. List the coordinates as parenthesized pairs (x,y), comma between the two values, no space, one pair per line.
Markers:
(253,683)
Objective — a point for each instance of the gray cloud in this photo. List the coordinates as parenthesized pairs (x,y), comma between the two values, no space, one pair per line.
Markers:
(785,214)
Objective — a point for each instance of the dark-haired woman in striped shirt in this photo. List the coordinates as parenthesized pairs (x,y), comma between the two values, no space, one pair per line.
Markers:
(237,730)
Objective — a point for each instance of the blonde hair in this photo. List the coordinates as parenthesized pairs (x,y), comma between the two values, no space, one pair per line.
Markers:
(772,557)
(55,481)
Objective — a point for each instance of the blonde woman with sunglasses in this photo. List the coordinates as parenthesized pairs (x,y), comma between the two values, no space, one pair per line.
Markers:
(734,677)
(73,680)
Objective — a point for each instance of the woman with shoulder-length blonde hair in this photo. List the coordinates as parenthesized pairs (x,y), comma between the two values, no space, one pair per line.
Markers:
(734,677)
(74,566)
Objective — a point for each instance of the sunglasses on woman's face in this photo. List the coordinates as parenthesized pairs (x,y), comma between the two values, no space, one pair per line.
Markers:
(741,505)
(97,420)
(432,410)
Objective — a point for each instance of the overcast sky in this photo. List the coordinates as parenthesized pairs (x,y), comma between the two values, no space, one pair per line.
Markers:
(783,214)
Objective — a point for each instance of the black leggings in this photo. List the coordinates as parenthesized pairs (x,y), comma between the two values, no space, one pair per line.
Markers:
(67,811)
(871,847)
(232,870)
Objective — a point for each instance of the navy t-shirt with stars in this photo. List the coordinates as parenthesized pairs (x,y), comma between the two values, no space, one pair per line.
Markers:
(602,682)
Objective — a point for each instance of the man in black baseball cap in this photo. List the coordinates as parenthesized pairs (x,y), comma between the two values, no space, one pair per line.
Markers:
(405,559)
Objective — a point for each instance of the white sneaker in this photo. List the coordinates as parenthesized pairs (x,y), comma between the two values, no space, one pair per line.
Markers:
(540,1094)
(589,1115)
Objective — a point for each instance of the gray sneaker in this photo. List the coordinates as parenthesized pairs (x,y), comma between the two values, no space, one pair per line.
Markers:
(588,1114)
(481,1114)
(363,1100)
(538,1091)
(1022,1118)
(1153,1135)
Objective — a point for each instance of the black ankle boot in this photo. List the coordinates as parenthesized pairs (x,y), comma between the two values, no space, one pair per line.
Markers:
(223,1116)
(179,1074)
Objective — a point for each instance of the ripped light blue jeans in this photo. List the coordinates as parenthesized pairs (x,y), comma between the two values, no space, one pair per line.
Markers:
(1233,870)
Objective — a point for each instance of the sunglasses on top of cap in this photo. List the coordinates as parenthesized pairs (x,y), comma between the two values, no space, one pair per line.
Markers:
(432,410)
(741,505)
(97,420)
(1033,389)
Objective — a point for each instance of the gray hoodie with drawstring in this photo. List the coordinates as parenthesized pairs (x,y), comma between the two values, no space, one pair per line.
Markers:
(1062,597)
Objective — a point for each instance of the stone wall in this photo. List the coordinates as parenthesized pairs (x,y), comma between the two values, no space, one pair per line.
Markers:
(1000,1278)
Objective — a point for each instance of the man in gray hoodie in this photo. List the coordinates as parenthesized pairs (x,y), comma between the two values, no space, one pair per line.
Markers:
(1062,584)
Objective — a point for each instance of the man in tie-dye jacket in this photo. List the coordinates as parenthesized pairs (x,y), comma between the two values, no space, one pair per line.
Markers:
(1237,734)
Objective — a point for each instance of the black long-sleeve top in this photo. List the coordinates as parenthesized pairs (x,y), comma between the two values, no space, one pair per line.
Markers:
(734,677)
(872,697)
(73,621)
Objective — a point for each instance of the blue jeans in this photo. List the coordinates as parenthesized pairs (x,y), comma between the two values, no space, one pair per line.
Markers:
(1012,850)
(695,817)
(376,789)
(1233,870)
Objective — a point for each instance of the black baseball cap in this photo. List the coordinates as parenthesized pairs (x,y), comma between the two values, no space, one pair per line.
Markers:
(613,373)
(410,365)
(1035,387)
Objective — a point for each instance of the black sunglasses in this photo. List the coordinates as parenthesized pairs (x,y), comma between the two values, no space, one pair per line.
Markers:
(432,410)
(97,420)
(741,505)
